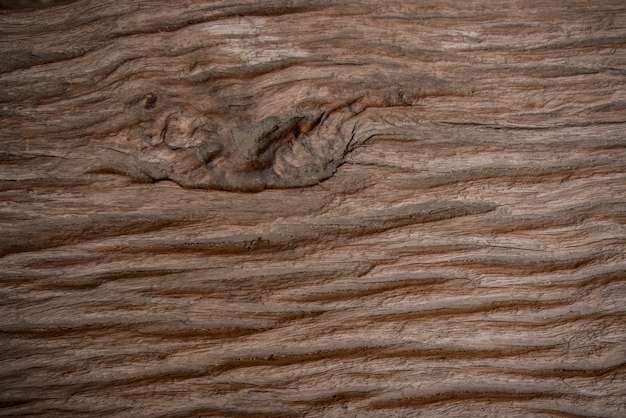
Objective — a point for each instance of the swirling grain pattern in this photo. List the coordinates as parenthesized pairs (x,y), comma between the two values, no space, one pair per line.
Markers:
(287,208)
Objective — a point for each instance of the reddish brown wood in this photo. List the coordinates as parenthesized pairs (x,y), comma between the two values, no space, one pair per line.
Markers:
(290,208)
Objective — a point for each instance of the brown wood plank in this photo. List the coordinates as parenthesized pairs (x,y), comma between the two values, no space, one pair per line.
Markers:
(290,208)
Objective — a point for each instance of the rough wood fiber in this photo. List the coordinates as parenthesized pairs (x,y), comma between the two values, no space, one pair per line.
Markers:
(294,208)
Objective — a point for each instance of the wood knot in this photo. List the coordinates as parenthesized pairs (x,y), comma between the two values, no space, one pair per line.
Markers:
(150,101)
(276,152)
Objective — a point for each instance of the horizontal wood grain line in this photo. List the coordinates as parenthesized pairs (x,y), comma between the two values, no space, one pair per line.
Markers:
(556,412)
(46,234)
(570,372)
(455,311)
(488,396)
(339,396)
(526,265)
(370,353)
(552,321)
(89,281)
(421,286)
(232,412)
(133,330)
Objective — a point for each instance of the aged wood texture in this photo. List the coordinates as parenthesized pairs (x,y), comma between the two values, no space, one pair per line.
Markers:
(295,208)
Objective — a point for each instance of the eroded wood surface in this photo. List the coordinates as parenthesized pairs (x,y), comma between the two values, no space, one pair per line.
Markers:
(313,209)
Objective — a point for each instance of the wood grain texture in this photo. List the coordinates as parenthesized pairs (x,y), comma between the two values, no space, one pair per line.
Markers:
(293,208)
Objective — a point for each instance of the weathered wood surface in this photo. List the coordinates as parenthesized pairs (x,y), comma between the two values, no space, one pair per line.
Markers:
(313,208)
